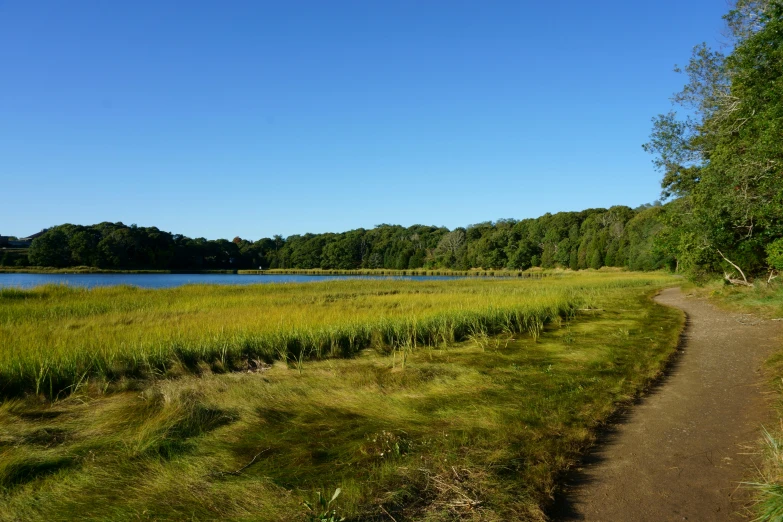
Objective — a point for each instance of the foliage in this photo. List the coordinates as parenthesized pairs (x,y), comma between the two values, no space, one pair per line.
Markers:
(589,239)
(775,254)
(725,159)
(14,258)
(321,510)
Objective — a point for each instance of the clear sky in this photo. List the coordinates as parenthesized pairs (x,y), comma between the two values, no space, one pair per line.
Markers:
(217,119)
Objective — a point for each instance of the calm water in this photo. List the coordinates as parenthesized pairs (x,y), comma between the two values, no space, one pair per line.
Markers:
(170,280)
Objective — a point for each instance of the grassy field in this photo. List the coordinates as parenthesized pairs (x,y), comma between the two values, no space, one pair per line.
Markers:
(55,337)
(419,400)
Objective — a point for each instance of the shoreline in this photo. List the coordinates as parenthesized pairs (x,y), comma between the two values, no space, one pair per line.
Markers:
(525,274)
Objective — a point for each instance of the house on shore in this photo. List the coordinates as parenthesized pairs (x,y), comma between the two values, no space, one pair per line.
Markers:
(25,242)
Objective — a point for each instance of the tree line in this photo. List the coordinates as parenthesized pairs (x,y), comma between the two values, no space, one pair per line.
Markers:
(619,236)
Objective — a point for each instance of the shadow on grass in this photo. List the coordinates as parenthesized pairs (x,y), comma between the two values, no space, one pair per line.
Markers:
(563,506)
(19,473)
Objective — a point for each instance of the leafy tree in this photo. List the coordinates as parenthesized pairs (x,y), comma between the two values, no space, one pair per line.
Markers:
(725,159)
(50,249)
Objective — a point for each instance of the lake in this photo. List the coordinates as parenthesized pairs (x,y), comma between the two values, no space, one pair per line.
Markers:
(16,280)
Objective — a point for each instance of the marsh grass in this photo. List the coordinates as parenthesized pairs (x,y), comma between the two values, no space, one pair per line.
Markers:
(462,431)
(535,273)
(768,486)
(53,338)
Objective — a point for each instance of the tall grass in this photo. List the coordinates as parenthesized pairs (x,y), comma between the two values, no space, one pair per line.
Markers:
(478,431)
(535,273)
(54,337)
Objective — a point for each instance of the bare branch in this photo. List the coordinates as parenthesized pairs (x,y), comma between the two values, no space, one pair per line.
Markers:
(734,281)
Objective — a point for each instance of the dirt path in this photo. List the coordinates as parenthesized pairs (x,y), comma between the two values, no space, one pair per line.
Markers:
(681,452)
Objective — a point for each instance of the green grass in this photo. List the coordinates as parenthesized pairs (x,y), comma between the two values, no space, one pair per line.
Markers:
(768,484)
(763,299)
(54,337)
(416,428)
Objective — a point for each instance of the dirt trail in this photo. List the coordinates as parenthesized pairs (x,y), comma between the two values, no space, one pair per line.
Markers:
(680,453)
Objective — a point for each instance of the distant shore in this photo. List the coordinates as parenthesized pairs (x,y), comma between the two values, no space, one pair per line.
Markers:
(93,270)
(534,273)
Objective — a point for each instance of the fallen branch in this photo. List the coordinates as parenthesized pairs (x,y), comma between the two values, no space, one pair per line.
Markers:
(744,281)
(773,274)
(735,281)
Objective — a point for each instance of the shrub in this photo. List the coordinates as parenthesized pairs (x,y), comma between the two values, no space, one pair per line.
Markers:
(775,254)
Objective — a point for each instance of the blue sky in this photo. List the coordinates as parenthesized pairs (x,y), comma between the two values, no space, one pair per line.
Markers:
(255,118)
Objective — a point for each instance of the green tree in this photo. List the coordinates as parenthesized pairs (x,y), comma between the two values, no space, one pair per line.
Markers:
(725,158)
(50,249)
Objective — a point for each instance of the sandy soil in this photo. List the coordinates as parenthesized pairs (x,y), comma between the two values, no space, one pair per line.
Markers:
(682,451)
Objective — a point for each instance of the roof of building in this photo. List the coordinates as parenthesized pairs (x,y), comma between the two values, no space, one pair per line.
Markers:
(37,234)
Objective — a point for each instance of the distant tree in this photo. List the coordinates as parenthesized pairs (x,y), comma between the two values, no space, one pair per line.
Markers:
(50,249)
(83,244)
(522,256)
(595,259)
(118,249)
(450,247)
(573,261)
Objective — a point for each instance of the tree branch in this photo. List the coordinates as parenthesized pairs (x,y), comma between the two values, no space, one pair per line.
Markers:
(729,279)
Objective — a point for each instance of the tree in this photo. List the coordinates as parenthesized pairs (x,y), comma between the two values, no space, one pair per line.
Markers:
(726,158)
(450,247)
(82,245)
(50,249)
(521,259)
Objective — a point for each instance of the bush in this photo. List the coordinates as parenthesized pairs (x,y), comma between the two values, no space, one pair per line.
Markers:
(775,254)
